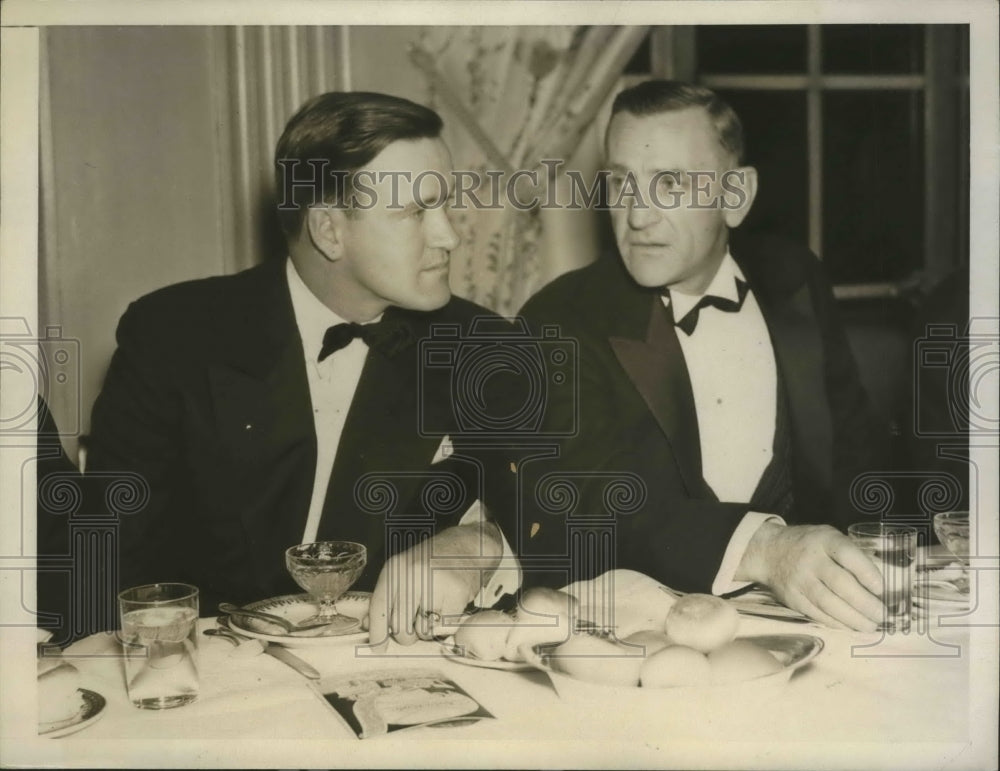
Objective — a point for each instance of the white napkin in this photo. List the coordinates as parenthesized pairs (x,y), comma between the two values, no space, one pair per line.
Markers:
(626,600)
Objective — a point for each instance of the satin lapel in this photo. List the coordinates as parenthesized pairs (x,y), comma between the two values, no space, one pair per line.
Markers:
(381,437)
(798,351)
(263,413)
(657,369)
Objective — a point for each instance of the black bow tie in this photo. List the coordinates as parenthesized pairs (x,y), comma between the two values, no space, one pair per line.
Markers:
(385,337)
(690,320)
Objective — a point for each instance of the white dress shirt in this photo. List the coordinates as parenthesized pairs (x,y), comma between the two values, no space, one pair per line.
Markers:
(734,379)
(332,384)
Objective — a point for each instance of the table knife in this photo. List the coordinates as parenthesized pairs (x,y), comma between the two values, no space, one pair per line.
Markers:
(774,616)
(285,656)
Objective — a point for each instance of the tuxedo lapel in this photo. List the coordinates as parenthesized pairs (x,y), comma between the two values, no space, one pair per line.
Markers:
(380,437)
(788,311)
(262,409)
(655,365)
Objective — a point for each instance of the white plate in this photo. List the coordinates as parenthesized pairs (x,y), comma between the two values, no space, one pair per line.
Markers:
(298,607)
(456,653)
(935,591)
(930,608)
(939,593)
(90,713)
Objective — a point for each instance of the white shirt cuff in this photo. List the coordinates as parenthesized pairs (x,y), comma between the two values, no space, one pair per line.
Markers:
(738,543)
(506,579)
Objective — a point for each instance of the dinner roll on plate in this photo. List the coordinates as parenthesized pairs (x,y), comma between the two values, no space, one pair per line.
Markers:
(59,696)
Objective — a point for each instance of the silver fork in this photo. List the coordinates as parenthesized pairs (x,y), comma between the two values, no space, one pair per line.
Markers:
(284,623)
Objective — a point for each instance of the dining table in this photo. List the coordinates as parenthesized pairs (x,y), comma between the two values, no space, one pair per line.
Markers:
(865,700)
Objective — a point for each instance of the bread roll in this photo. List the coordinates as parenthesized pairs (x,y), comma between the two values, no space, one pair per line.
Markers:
(59,696)
(483,635)
(544,616)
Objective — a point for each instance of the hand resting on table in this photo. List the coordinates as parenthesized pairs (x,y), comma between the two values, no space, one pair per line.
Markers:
(816,570)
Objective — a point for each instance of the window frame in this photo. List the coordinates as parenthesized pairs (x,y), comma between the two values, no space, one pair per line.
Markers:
(673,55)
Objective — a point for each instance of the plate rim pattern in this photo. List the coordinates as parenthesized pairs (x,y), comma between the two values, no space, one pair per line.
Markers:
(93,708)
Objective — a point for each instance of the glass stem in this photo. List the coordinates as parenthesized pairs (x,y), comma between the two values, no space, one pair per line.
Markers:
(327,608)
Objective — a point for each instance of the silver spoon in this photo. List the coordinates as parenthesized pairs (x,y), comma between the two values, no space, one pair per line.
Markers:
(284,623)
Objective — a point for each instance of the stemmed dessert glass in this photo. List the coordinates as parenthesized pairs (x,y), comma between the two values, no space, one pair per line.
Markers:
(952,530)
(327,569)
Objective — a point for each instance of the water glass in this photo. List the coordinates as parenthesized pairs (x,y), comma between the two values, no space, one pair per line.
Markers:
(893,549)
(160,643)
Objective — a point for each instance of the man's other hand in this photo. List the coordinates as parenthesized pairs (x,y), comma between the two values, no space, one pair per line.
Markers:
(816,570)
(422,588)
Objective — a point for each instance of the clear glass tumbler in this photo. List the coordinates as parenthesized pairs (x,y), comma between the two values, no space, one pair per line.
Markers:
(160,642)
(893,549)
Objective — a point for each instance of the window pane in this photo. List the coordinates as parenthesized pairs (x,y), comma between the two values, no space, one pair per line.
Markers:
(751,49)
(873,205)
(774,124)
(873,48)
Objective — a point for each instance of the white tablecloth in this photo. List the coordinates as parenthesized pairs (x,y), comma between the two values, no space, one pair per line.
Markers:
(877,694)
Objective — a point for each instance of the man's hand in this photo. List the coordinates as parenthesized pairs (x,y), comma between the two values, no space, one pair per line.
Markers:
(423,586)
(816,570)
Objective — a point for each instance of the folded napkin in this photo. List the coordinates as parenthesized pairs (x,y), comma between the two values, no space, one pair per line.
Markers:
(625,600)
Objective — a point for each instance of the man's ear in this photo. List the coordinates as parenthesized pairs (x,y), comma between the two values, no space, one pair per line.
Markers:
(325,225)
(739,189)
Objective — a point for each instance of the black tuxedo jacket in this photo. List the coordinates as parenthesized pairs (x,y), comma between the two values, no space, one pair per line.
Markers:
(636,416)
(207,399)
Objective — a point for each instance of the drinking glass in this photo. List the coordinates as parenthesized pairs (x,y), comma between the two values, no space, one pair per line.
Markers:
(327,569)
(893,549)
(952,530)
(160,644)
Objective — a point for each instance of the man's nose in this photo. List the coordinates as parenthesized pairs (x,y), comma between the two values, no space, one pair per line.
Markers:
(440,233)
(641,215)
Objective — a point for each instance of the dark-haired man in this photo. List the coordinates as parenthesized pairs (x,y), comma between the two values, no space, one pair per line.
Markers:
(279,405)
(715,370)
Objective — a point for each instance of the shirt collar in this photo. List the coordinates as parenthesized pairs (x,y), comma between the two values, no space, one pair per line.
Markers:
(312,317)
(723,285)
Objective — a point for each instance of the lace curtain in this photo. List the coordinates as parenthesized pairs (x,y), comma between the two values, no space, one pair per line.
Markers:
(511,97)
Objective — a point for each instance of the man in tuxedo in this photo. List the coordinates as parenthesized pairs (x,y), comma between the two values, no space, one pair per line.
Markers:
(282,404)
(715,378)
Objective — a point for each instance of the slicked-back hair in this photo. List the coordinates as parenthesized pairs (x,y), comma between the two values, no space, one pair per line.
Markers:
(339,133)
(652,97)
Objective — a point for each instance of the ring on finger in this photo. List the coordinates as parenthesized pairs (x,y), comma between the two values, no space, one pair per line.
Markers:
(432,616)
